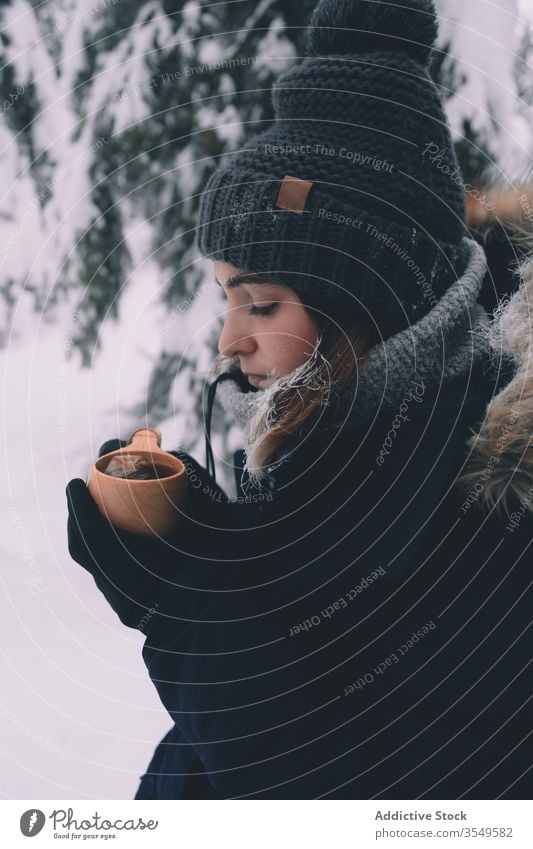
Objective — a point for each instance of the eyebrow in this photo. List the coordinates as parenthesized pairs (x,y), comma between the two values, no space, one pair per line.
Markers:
(233,282)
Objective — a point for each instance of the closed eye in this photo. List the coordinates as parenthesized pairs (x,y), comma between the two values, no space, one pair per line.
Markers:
(253,310)
(264,311)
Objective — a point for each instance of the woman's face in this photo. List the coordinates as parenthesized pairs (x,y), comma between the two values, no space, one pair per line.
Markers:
(266,326)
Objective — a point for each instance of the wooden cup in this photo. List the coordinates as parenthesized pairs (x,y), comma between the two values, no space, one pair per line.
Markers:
(147,507)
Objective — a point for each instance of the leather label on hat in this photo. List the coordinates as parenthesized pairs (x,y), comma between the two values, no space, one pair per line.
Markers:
(293,194)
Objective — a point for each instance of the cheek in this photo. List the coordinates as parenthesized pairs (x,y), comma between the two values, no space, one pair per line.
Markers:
(300,326)
(294,336)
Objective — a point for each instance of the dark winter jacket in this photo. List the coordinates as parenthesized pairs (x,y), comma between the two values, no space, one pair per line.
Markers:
(358,628)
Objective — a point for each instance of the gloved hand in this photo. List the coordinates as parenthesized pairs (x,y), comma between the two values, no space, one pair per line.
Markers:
(203,493)
(133,570)
(128,568)
(111,445)
(207,503)
(91,537)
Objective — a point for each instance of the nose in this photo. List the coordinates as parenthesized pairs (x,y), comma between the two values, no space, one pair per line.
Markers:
(234,339)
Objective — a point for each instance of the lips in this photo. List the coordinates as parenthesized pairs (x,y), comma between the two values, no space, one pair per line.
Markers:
(259,381)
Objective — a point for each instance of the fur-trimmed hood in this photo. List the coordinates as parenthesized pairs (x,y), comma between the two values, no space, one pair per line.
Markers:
(500,464)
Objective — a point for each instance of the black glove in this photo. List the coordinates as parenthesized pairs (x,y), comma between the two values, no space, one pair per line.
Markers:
(207,503)
(203,493)
(112,445)
(128,568)
(133,571)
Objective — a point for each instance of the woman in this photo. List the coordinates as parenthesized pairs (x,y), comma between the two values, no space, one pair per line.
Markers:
(355,624)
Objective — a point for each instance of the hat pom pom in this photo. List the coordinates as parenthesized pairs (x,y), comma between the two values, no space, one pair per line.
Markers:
(363,26)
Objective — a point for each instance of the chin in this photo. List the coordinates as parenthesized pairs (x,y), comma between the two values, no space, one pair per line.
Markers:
(266,384)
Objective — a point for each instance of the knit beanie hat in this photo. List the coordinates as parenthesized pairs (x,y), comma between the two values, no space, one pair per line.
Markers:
(350,196)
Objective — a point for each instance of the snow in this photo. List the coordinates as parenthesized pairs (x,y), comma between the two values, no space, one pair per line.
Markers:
(33,241)
(526,9)
(185,172)
(227,123)
(485,38)
(28,46)
(191,13)
(210,52)
(277,52)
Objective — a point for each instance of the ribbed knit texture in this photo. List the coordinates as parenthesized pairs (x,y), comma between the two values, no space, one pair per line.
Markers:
(381,229)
